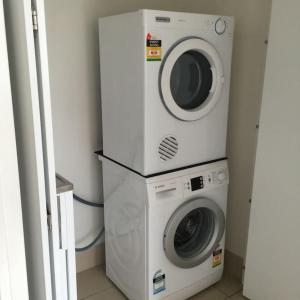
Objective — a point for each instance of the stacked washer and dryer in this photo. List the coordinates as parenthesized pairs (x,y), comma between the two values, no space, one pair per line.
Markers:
(165,80)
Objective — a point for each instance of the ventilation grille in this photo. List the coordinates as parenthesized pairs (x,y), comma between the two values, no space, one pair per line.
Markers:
(168,148)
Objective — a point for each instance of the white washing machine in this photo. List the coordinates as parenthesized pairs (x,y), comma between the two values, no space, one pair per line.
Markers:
(164,235)
(165,80)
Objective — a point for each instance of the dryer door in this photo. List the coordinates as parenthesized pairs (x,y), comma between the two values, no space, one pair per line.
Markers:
(193,232)
(191,79)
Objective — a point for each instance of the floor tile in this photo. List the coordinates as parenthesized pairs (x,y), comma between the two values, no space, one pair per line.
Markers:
(209,294)
(110,294)
(228,286)
(91,282)
(238,296)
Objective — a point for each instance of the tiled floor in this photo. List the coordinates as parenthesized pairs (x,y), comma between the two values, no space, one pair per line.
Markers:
(94,285)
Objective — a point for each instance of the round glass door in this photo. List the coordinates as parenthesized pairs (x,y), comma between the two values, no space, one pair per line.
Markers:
(191,79)
(193,232)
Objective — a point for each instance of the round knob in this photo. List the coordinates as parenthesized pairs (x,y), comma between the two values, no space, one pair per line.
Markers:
(221,176)
(220,26)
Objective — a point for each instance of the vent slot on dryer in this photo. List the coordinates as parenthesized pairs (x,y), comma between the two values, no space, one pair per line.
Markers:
(168,148)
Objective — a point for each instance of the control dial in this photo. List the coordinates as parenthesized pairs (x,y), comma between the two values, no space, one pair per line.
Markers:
(220,26)
(221,176)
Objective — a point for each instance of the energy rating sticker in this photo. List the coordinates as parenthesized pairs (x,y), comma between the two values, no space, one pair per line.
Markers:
(217,258)
(153,50)
(159,282)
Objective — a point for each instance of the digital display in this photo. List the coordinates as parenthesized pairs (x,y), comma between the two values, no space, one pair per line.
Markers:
(197,183)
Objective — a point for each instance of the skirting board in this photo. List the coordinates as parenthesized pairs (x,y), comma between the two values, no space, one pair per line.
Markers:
(90,258)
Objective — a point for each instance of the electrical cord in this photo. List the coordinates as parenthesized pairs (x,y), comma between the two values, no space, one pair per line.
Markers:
(99,235)
(89,203)
(90,245)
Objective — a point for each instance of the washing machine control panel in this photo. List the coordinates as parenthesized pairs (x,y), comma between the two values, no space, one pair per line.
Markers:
(208,179)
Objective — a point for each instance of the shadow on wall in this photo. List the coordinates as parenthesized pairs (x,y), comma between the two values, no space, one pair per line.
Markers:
(75,87)
(248,64)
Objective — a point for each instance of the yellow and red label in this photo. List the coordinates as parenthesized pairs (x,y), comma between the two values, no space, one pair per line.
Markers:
(217,258)
(153,49)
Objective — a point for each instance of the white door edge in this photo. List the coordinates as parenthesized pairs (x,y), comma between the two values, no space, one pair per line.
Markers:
(48,146)
(13,274)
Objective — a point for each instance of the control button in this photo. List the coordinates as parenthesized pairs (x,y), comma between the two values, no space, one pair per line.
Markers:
(220,26)
(221,176)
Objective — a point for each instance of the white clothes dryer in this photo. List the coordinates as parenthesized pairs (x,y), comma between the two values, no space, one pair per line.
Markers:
(164,235)
(165,80)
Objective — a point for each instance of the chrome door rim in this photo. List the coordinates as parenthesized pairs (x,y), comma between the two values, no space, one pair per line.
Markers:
(173,223)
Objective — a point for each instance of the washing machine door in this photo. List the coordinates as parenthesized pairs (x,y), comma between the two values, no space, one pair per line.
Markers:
(191,79)
(193,232)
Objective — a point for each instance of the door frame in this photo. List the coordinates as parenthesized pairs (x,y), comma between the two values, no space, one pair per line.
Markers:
(28,60)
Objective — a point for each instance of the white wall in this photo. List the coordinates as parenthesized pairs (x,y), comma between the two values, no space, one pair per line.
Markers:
(75,86)
(272,266)
(74,74)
